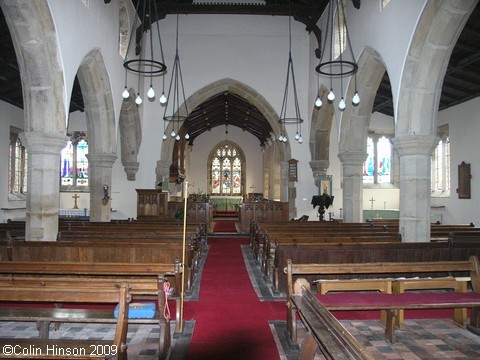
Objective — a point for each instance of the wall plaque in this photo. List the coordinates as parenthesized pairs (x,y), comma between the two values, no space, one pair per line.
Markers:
(292,170)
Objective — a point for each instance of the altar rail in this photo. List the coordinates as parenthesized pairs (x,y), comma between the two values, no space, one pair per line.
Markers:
(267,211)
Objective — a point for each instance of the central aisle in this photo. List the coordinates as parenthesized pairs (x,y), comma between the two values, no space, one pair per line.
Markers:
(230,321)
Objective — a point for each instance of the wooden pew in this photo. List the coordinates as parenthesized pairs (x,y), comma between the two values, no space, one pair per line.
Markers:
(144,280)
(390,303)
(270,245)
(101,251)
(69,349)
(353,252)
(325,332)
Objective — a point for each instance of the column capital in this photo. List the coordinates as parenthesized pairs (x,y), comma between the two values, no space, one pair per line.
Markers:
(352,157)
(414,144)
(101,159)
(42,142)
(319,167)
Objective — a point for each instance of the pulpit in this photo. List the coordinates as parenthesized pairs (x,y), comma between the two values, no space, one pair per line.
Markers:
(151,204)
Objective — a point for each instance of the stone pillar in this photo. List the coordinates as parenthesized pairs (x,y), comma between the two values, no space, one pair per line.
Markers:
(415,152)
(43,183)
(352,163)
(100,174)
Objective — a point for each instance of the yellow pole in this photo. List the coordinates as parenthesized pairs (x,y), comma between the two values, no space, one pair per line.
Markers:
(183,256)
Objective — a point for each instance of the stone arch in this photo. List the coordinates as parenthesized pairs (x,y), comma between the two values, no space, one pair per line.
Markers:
(99,111)
(320,130)
(97,97)
(354,131)
(356,119)
(283,151)
(238,88)
(435,36)
(421,84)
(35,40)
(124,30)
(212,154)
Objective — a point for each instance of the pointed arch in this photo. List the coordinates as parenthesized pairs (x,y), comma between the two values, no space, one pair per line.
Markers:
(97,95)
(238,88)
(36,47)
(356,119)
(433,41)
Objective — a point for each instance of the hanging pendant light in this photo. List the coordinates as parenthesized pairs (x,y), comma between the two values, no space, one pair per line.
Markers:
(144,65)
(331,66)
(285,117)
(176,112)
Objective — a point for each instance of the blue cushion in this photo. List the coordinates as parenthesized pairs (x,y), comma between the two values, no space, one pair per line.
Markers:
(139,310)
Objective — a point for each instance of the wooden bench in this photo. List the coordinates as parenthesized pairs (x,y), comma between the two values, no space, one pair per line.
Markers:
(353,252)
(324,331)
(146,281)
(391,303)
(68,348)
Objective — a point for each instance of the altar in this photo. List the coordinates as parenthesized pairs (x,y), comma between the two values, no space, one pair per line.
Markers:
(226,203)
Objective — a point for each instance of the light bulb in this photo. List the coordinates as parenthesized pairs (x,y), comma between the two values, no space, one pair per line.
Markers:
(341,104)
(164,137)
(356,99)
(177,137)
(285,138)
(318,102)
(138,99)
(280,138)
(187,136)
(151,93)
(172,134)
(300,139)
(125,93)
(297,136)
(163,98)
(331,95)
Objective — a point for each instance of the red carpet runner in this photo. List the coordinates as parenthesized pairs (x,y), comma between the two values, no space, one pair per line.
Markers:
(230,321)
(224,227)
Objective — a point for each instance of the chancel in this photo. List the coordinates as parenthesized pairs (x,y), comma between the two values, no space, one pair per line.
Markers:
(197,169)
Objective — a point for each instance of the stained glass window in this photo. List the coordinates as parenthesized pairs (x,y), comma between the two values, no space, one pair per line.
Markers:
(377,166)
(74,162)
(18,164)
(226,171)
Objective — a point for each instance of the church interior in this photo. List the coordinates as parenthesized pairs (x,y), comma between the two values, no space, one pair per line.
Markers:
(272,179)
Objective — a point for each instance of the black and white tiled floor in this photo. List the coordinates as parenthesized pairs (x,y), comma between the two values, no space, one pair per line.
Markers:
(419,339)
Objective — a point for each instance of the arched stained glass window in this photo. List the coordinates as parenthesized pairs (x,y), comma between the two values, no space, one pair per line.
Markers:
(226,171)
(74,162)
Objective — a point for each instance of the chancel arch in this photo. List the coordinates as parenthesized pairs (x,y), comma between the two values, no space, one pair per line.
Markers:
(282,151)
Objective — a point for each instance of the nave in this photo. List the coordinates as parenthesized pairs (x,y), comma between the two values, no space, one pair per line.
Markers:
(232,314)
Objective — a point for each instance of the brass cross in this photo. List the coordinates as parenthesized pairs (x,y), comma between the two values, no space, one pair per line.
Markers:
(371,200)
(75,197)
